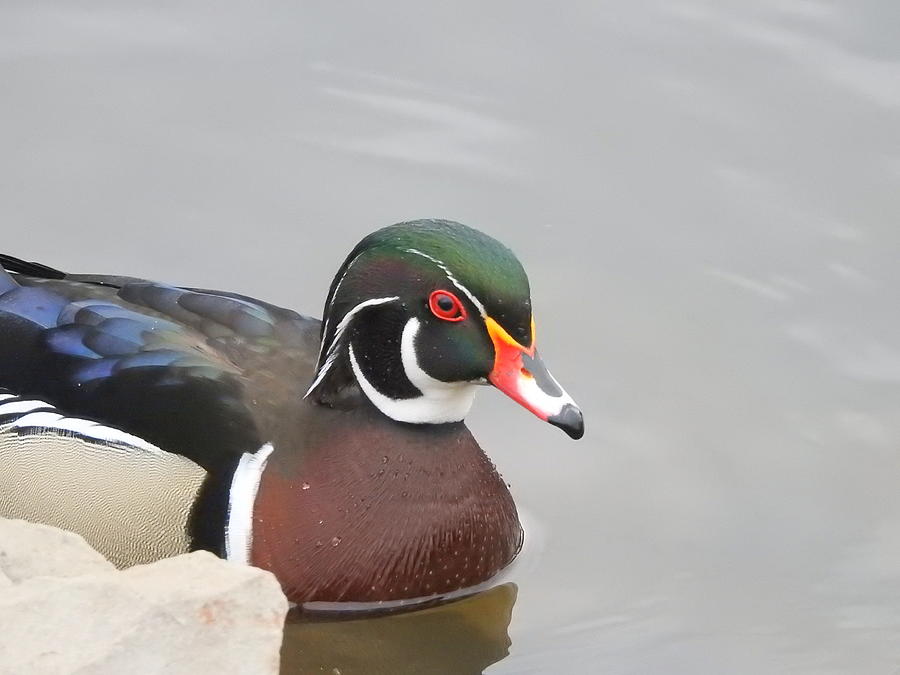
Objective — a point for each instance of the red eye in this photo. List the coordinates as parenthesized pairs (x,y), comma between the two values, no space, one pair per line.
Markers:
(444,305)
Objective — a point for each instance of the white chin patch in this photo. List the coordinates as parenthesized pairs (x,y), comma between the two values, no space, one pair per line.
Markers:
(439,403)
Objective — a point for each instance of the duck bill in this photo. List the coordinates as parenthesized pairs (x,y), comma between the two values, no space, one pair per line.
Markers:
(521,374)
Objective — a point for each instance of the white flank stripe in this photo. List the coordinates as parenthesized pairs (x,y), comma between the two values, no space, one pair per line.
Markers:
(21,407)
(244,486)
(456,282)
(38,419)
(52,421)
(339,331)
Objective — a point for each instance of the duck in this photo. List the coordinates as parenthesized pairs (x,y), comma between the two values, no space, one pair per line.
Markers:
(155,419)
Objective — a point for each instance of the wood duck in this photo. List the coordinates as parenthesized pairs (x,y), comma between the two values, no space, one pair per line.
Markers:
(155,419)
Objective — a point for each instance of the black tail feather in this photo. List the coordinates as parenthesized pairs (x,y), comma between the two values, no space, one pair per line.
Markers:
(31,269)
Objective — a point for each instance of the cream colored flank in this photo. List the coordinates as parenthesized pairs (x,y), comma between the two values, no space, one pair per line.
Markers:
(130,503)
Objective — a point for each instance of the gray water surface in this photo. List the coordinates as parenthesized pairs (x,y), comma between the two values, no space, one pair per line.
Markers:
(705,197)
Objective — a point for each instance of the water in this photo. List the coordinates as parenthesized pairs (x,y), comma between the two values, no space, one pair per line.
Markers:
(705,197)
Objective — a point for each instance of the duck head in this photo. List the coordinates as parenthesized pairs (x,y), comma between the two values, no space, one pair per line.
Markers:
(422,313)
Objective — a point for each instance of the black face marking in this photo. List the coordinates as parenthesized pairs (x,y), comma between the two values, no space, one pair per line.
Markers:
(376,339)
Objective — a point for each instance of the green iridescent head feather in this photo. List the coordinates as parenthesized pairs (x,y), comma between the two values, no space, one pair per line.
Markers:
(404,253)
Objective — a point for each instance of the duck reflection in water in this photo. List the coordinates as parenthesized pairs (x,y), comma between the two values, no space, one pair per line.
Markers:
(462,637)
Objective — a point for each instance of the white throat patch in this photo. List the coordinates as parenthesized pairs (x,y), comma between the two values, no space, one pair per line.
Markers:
(439,403)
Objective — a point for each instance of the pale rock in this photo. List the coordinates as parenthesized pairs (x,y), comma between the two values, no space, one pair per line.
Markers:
(191,615)
(31,550)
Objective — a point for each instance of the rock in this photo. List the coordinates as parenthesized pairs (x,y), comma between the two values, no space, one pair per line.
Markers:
(191,615)
(30,550)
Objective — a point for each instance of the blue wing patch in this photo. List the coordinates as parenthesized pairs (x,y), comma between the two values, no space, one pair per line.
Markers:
(36,305)
(170,365)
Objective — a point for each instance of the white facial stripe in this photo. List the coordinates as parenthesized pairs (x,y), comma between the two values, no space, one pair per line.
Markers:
(241,498)
(453,280)
(18,406)
(339,331)
(439,403)
(337,287)
(49,420)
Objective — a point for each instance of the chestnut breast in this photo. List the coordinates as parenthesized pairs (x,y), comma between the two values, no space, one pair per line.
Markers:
(366,509)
